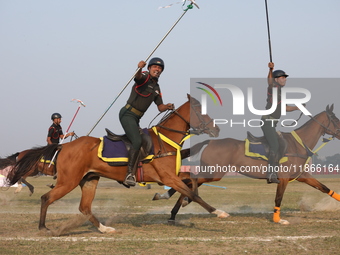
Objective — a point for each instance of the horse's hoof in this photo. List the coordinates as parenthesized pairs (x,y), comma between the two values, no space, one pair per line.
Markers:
(156,196)
(45,231)
(106,230)
(171,222)
(185,202)
(283,222)
(221,214)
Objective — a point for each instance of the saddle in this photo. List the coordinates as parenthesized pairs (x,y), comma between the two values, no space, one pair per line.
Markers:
(145,150)
(258,146)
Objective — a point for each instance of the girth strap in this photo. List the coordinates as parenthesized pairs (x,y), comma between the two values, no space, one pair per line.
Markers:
(177,146)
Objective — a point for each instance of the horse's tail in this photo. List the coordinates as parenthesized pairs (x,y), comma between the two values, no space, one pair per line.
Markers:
(9,161)
(29,161)
(193,150)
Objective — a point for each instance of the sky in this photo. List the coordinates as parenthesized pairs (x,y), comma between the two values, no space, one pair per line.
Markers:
(54,51)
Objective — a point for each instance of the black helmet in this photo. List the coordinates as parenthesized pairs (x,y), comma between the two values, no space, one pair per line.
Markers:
(55,116)
(279,73)
(156,61)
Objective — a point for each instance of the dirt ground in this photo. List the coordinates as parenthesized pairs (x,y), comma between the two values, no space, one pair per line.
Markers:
(142,226)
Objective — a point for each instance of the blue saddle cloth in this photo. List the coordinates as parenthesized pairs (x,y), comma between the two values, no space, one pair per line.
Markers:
(116,151)
(257,150)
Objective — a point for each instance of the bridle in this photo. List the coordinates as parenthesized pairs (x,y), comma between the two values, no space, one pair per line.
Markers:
(202,127)
(332,119)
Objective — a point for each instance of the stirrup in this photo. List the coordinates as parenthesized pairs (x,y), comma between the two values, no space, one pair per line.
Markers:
(272,178)
(130,180)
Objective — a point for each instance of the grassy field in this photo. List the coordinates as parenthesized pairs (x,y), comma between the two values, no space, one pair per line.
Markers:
(142,226)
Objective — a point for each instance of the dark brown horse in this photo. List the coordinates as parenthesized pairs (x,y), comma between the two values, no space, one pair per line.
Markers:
(231,152)
(40,168)
(78,162)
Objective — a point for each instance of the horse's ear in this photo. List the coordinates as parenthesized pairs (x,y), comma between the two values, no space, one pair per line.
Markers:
(188,95)
(332,107)
(327,108)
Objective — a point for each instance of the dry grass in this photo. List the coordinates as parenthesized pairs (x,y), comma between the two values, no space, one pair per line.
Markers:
(142,224)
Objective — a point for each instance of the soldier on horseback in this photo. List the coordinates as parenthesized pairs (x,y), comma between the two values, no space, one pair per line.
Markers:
(55,131)
(276,79)
(145,91)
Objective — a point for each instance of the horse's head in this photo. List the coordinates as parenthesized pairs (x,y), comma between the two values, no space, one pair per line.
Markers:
(333,127)
(201,123)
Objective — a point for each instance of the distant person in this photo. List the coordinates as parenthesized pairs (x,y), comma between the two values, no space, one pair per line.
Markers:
(145,91)
(55,132)
(276,79)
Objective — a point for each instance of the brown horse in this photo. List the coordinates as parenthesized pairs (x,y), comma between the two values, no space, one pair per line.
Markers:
(231,152)
(78,162)
(40,168)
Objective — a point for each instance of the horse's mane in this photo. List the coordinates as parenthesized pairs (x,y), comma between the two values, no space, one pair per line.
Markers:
(307,123)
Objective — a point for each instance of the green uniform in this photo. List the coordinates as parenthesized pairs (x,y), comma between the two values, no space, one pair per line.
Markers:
(145,91)
(269,126)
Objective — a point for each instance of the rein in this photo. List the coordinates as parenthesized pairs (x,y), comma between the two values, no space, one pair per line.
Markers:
(331,120)
(186,134)
(295,120)
(195,130)
(310,152)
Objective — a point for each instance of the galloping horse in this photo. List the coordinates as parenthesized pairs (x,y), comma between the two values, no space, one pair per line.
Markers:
(78,162)
(231,152)
(41,167)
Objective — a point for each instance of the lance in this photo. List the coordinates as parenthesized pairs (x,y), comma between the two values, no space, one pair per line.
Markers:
(268,30)
(190,6)
(81,103)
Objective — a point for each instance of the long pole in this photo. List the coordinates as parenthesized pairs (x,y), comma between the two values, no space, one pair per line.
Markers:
(268,30)
(153,51)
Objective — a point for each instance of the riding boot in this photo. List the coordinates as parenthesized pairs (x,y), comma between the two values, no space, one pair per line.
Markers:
(130,179)
(272,165)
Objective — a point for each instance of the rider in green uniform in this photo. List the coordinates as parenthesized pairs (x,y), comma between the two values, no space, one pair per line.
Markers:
(145,91)
(276,79)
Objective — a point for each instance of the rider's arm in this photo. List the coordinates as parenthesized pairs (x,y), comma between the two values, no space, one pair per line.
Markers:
(270,74)
(141,64)
(164,107)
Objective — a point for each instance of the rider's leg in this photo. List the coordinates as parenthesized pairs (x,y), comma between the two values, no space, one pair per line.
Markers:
(269,132)
(130,123)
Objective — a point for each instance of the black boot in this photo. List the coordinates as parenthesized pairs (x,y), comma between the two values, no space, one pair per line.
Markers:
(271,173)
(130,179)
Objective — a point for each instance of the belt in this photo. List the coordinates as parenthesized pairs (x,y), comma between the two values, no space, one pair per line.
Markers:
(134,110)
(268,117)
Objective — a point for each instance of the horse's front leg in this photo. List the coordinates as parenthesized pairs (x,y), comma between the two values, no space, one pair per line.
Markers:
(175,210)
(165,195)
(19,188)
(311,181)
(29,186)
(194,187)
(176,183)
(281,187)
(169,193)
